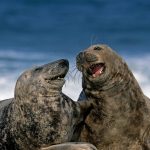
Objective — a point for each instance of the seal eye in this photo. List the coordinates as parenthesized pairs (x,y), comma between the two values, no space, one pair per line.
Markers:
(38,69)
(97,48)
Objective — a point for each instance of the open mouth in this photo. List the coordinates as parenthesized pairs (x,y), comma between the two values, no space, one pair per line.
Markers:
(59,77)
(96,69)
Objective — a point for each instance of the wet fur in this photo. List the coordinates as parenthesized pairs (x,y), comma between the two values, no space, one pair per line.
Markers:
(40,115)
(120,119)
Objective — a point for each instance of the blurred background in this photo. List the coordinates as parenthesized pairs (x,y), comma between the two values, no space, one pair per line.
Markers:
(34,32)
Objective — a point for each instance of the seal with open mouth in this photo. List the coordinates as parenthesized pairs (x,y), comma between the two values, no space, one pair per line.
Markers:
(40,115)
(120,119)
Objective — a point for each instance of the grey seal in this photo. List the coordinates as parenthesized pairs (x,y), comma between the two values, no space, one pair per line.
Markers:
(120,119)
(40,116)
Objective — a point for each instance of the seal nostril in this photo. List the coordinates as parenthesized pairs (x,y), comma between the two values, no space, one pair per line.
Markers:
(80,58)
(90,57)
(64,63)
(97,48)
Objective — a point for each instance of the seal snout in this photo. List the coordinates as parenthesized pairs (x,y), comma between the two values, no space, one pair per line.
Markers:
(53,71)
(64,63)
(86,57)
(83,60)
(89,57)
(89,61)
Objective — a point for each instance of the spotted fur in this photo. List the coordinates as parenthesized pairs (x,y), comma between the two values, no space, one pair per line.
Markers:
(120,119)
(40,115)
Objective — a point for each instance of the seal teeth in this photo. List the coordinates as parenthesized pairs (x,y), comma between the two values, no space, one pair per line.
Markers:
(55,78)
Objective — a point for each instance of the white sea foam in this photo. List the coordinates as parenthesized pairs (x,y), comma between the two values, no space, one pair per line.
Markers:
(141,69)
(6,87)
(19,55)
(72,87)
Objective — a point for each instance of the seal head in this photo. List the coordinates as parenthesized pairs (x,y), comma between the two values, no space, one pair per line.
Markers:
(99,64)
(45,80)
(119,101)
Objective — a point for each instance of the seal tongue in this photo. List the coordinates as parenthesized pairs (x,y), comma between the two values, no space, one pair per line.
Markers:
(97,70)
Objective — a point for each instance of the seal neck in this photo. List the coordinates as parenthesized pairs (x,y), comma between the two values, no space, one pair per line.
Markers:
(116,83)
(120,90)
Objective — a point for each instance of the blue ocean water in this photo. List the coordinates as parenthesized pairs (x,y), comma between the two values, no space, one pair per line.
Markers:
(34,32)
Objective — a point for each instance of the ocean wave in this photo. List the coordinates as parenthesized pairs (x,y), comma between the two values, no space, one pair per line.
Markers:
(7,84)
(141,71)
(20,55)
(16,61)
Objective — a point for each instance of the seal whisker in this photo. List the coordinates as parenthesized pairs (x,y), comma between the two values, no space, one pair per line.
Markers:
(93,39)
(76,76)
(74,69)
(68,78)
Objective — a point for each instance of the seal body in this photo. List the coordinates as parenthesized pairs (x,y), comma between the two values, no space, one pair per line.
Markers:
(40,115)
(6,141)
(120,119)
